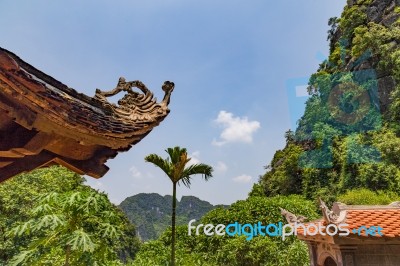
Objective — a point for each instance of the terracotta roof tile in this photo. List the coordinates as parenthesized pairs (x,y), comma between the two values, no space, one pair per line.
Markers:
(387,219)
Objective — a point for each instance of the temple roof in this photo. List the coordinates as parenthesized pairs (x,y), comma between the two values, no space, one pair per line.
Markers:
(357,218)
(44,122)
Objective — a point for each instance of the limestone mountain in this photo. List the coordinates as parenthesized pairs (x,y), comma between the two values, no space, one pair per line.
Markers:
(151,213)
(349,135)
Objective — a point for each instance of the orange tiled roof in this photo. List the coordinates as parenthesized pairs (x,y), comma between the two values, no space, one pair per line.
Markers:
(385,216)
(389,220)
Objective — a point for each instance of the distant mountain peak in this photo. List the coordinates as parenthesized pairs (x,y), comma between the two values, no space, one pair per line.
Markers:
(151,212)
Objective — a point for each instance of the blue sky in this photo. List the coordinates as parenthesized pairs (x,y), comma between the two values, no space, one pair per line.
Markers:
(236,66)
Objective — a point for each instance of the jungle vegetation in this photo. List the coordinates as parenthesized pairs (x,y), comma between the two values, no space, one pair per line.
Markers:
(346,148)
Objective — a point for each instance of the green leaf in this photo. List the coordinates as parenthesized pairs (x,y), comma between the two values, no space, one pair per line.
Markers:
(51,221)
(21,257)
(80,240)
(109,231)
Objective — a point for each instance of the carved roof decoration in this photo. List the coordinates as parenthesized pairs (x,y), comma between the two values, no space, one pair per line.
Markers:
(292,218)
(44,122)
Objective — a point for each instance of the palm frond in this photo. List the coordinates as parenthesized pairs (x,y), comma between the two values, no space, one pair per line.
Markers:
(163,164)
(185,181)
(196,169)
(175,166)
(175,154)
(179,166)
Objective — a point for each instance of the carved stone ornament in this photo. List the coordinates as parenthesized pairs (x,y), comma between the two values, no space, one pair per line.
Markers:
(136,106)
(291,218)
(328,215)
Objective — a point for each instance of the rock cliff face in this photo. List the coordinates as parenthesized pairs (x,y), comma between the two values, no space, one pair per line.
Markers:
(378,12)
(381,11)
(349,134)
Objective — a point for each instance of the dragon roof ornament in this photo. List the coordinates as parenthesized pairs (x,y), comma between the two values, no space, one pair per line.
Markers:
(137,106)
(334,216)
(292,218)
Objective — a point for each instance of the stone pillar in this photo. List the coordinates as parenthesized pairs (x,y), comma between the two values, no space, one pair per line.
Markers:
(312,250)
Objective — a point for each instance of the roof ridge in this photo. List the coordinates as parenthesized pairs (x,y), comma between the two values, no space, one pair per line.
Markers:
(338,206)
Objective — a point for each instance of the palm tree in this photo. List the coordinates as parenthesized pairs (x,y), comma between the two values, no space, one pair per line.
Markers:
(176,168)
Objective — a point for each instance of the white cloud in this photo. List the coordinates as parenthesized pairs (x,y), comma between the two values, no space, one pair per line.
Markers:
(221,167)
(135,173)
(236,129)
(242,179)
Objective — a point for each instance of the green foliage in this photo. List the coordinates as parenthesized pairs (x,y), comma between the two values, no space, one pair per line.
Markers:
(226,250)
(82,226)
(153,253)
(263,209)
(364,2)
(395,108)
(17,198)
(333,23)
(283,178)
(381,41)
(379,176)
(257,190)
(49,212)
(367,197)
(338,55)
(352,17)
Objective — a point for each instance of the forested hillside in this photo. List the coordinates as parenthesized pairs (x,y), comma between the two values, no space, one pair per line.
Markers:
(349,135)
(151,213)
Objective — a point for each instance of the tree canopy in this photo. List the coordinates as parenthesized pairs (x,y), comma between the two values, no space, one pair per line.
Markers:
(48,217)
